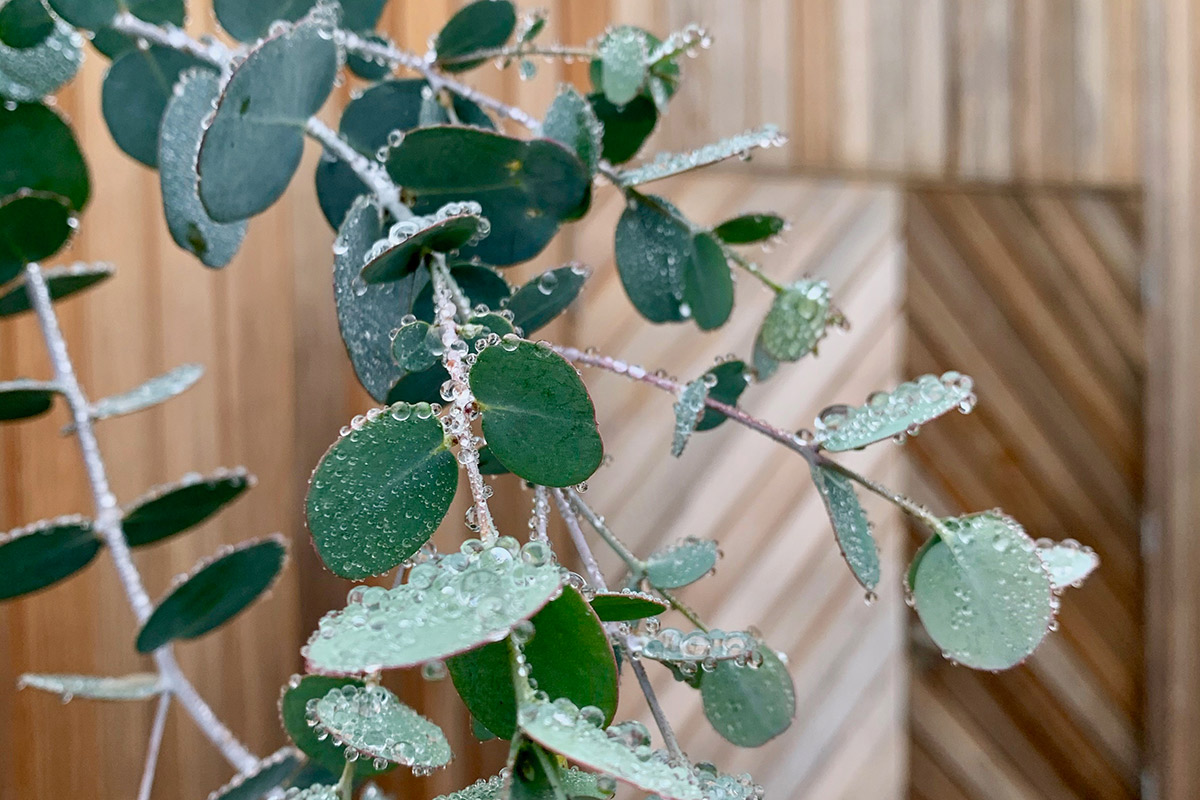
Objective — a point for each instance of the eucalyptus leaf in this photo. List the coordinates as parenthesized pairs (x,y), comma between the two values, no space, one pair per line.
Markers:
(982,591)
(764,364)
(61,282)
(43,553)
(707,283)
(113,43)
(214,592)
(381,490)
(480,283)
(450,605)
(749,706)
(626,128)
(38,151)
(688,408)
(413,346)
(1068,561)
(253,145)
(626,606)
(893,414)
(666,165)
(33,225)
(543,298)
(293,704)
(31,73)
(88,14)
(137,88)
(797,321)
(624,54)
(569,656)
(139,686)
(270,773)
(214,243)
(24,398)
(157,390)
(850,525)
(750,228)
(538,419)
(682,563)
(175,507)
(732,378)
(247,21)
(482,25)
(652,246)
(453,226)
(372,721)
(572,121)
(576,782)
(420,387)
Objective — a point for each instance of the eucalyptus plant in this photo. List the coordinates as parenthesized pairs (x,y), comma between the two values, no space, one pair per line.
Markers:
(434,189)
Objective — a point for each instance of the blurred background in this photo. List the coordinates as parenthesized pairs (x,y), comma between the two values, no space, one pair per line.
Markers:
(1003,187)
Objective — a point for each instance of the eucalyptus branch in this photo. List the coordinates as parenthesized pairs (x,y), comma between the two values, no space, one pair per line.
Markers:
(152,749)
(108,522)
(540,516)
(752,268)
(660,717)
(210,51)
(635,564)
(579,540)
(563,51)
(682,608)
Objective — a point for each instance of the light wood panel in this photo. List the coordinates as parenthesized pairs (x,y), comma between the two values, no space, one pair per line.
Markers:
(1035,295)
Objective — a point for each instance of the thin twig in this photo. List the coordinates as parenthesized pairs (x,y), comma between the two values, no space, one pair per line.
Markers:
(368,171)
(520,51)
(635,564)
(752,268)
(660,717)
(595,576)
(541,512)
(682,608)
(156,736)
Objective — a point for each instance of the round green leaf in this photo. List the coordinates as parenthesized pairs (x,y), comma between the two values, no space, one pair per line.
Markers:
(453,604)
(113,43)
(139,686)
(31,72)
(797,320)
(88,14)
(749,706)
(1068,561)
(381,490)
(23,398)
(173,508)
(652,246)
(420,387)
(293,703)
(41,554)
(626,128)
(481,25)
(764,365)
(38,151)
(707,284)
(33,225)
(850,526)
(453,226)
(732,379)
(542,299)
(247,21)
(253,146)
(372,721)
(481,284)
(561,728)
(982,592)
(896,413)
(624,55)
(412,347)
(270,773)
(750,228)
(569,656)
(526,188)
(682,563)
(134,98)
(572,122)
(626,606)
(157,390)
(61,282)
(214,592)
(689,406)
(214,243)
(537,417)
(369,67)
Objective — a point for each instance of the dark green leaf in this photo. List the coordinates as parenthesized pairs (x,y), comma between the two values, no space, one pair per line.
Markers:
(626,128)
(682,563)
(482,285)
(537,417)
(216,590)
(23,398)
(38,151)
(253,146)
(112,43)
(167,510)
(29,73)
(157,390)
(624,53)
(214,243)
(750,228)
(569,656)
(688,407)
(62,282)
(749,706)
(381,490)
(369,68)
(453,226)
(270,773)
(850,525)
(89,14)
(44,553)
(135,94)
(653,247)
(324,752)
(764,365)
(526,188)
(538,302)
(416,346)
(626,606)
(24,23)
(732,379)
(33,226)
(420,387)
(481,25)
(707,283)
(571,121)
(533,774)
(247,21)
(489,464)
(797,321)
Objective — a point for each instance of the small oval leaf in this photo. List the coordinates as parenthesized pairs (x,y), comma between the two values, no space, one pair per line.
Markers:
(896,413)
(271,772)
(623,54)
(453,226)
(175,507)
(43,553)
(481,25)
(626,606)
(137,88)
(750,228)
(372,721)
(61,282)
(682,563)
(33,225)
(23,399)
(626,128)
(572,122)
(38,151)
(666,165)
(688,408)
(850,526)
(1068,561)
(158,389)
(749,706)
(732,378)
(543,298)
(293,705)
(31,73)
(797,321)
(139,686)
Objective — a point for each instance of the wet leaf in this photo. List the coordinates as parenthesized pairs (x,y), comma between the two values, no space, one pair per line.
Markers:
(560,728)
(652,246)
(317,791)
(623,54)
(409,241)
(214,243)
(890,414)
(982,592)
(38,151)
(850,526)
(665,164)
(175,507)
(1068,561)
(381,490)
(373,721)
(538,419)
(253,146)
(732,379)
(526,188)
(797,321)
(32,72)
(626,128)
(481,284)
(43,553)
(136,90)
(569,656)
(707,283)
(271,772)
(33,226)
(682,563)
(764,365)
(157,390)
(688,408)
(113,43)
(249,21)
(139,686)
(750,228)
(467,599)
(61,281)
(23,399)
(572,122)
(413,346)
(89,14)
(420,387)
(543,298)
(532,773)
(626,606)
(481,25)
(576,782)
(749,706)
(214,592)
(293,703)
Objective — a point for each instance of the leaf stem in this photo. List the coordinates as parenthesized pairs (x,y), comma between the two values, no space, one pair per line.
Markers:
(152,749)
(540,516)
(345,784)
(595,576)
(905,504)
(682,608)
(636,565)
(751,267)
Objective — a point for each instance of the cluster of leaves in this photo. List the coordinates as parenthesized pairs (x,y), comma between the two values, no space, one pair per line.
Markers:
(431,200)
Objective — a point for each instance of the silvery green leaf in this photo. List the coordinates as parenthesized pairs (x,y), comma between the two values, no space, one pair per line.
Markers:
(982,591)
(850,525)
(682,563)
(157,390)
(623,55)
(137,88)
(139,686)
(271,772)
(747,705)
(896,413)
(25,398)
(543,298)
(61,281)
(665,165)
(688,409)
(214,243)
(1069,561)
(468,599)
(318,791)
(561,728)
(576,783)
(31,73)
(372,721)
(572,121)
(692,648)
(797,321)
